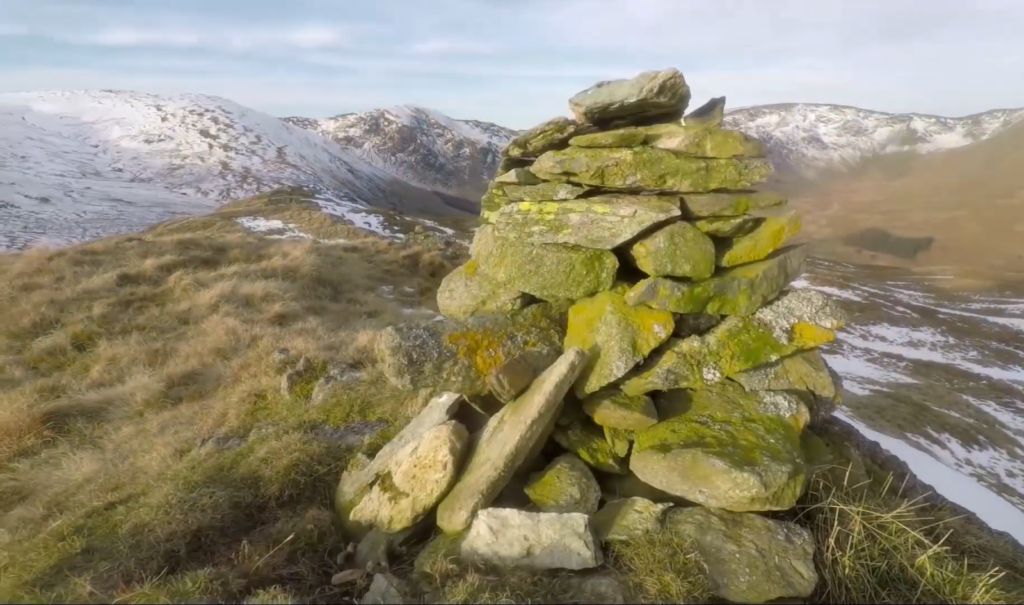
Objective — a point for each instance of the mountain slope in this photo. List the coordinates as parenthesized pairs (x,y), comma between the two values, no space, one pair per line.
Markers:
(807,139)
(420,145)
(76,165)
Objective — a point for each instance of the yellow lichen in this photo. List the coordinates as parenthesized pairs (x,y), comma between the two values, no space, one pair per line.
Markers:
(805,335)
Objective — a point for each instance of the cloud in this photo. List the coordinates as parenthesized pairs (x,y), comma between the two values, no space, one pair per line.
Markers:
(444,46)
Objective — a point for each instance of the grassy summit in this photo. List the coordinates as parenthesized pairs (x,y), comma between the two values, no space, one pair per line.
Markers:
(148,453)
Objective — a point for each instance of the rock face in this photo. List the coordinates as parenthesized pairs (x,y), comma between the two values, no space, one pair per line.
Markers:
(506,440)
(689,376)
(650,94)
(565,486)
(602,222)
(422,472)
(514,538)
(750,559)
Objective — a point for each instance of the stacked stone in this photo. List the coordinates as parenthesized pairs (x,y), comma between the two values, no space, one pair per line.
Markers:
(626,300)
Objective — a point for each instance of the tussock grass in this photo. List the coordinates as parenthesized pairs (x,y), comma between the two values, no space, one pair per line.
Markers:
(120,356)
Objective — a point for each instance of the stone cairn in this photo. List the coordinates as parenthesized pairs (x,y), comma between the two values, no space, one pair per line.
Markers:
(619,355)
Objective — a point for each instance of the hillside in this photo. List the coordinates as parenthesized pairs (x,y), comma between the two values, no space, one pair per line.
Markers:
(968,200)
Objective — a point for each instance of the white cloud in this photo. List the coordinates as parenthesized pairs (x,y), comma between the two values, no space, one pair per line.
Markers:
(230,38)
(444,46)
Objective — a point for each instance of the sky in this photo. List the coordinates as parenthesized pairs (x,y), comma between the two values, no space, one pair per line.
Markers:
(516,62)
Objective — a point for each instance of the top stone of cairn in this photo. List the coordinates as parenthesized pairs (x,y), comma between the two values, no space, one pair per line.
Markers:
(650,94)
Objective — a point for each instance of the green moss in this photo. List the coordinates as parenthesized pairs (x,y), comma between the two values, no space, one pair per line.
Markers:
(772,232)
(677,250)
(585,439)
(552,134)
(622,137)
(544,192)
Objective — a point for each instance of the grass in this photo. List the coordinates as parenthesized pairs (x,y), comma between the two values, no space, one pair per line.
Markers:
(121,359)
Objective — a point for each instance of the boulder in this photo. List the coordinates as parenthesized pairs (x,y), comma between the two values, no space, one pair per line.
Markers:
(628,485)
(552,134)
(702,141)
(586,440)
(706,205)
(618,335)
(650,94)
(629,519)
(677,250)
(727,450)
(467,291)
(569,272)
(518,176)
(543,192)
(357,480)
(648,169)
(737,291)
(460,355)
(727,226)
(564,486)
(708,115)
(612,408)
(602,222)
(769,235)
(508,438)
(507,537)
(386,589)
(806,372)
(630,136)
(419,476)
(749,558)
(796,321)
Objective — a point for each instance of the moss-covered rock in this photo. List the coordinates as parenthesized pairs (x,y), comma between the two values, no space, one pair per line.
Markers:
(509,380)
(518,176)
(565,486)
(695,324)
(601,222)
(617,335)
(706,205)
(467,291)
(702,141)
(459,355)
(805,371)
(543,192)
(708,115)
(649,94)
(737,291)
(678,250)
(749,558)
(648,169)
(492,202)
(621,440)
(629,519)
(629,136)
(612,408)
(726,450)
(727,226)
(628,485)
(797,320)
(552,134)
(569,272)
(585,439)
(769,235)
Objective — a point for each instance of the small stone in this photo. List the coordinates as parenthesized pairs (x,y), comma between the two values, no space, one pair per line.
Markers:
(651,93)
(749,558)
(706,205)
(467,291)
(513,538)
(708,115)
(727,226)
(629,519)
(602,222)
(509,380)
(552,134)
(738,291)
(602,588)
(421,474)
(677,250)
(618,335)
(509,437)
(385,589)
(518,176)
(544,192)
(564,486)
(347,577)
(648,169)
(612,408)
(587,440)
(569,272)
(630,136)
(769,235)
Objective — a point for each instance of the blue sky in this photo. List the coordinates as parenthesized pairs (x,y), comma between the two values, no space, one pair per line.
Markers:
(516,62)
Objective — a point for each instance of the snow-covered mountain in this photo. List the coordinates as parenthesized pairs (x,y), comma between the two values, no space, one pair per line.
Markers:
(76,165)
(420,145)
(806,138)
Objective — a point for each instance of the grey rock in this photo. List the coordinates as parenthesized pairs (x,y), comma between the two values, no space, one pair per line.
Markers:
(513,538)
(652,93)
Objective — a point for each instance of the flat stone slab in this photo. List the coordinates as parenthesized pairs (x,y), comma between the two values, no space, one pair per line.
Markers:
(651,93)
(507,537)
